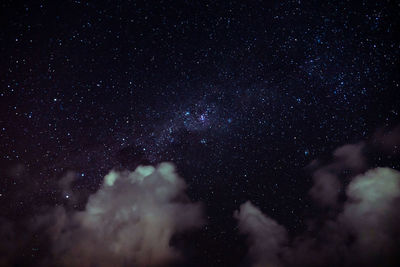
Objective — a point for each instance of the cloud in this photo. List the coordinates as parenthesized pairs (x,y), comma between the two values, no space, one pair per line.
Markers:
(350,156)
(129,221)
(327,186)
(365,233)
(371,212)
(266,237)
(65,184)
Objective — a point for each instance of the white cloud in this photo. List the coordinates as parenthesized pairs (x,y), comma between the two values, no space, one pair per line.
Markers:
(129,221)
(365,233)
(371,213)
(265,236)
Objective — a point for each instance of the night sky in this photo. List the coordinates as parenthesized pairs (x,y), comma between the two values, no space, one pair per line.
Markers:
(243,97)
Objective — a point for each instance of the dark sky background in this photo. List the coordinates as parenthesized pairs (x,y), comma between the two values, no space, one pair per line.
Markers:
(240,95)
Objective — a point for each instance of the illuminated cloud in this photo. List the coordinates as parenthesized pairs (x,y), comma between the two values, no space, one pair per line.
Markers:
(365,233)
(371,213)
(265,236)
(129,221)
